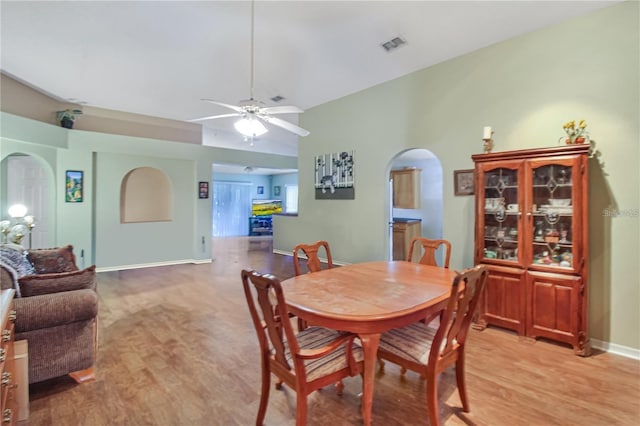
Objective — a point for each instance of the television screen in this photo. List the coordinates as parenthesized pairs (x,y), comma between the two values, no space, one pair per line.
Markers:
(265,207)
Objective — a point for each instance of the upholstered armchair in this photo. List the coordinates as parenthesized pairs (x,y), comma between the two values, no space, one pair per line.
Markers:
(56,310)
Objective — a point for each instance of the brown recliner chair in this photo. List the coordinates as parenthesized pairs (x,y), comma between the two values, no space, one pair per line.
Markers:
(56,311)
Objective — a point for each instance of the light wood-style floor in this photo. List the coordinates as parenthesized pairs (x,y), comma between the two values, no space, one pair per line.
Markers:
(176,347)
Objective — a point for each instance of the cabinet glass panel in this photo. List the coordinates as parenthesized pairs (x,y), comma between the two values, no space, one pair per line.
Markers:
(501,213)
(553,216)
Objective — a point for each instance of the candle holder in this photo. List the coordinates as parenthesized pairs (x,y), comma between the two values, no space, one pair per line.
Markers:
(487,145)
(487,137)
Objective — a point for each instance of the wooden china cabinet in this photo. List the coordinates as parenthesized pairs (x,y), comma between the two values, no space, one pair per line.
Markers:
(531,231)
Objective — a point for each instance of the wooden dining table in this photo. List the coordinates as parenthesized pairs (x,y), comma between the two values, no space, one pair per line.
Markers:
(369,299)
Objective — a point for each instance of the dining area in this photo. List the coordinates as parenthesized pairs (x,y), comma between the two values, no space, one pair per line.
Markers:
(178,346)
(353,319)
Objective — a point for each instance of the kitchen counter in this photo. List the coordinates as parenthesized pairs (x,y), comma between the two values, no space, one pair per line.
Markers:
(404,220)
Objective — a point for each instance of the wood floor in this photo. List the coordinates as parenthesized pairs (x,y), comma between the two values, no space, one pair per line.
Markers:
(176,347)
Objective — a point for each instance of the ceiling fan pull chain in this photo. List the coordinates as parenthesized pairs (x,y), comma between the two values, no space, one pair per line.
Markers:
(253,5)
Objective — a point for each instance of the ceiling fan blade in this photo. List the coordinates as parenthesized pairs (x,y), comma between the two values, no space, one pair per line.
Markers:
(282,110)
(211,117)
(233,107)
(285,125)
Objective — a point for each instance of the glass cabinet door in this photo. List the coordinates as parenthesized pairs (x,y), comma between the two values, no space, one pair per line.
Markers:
(501,214)
(553,215)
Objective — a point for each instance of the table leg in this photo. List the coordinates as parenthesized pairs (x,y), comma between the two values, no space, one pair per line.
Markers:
(370,344)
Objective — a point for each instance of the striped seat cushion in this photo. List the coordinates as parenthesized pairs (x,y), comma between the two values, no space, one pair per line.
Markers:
(412,342)
(317,337)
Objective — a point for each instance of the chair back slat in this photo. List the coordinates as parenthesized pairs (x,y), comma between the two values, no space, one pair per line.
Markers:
(430,247)
(466,291)
(311,251)
(271,319)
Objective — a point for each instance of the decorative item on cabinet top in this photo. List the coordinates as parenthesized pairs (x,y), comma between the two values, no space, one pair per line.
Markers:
(487,137)
(575,134)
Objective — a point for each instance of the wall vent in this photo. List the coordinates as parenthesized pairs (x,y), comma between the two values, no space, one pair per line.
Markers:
(393,44)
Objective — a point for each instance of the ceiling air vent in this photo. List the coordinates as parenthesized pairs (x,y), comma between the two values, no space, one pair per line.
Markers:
(393,44)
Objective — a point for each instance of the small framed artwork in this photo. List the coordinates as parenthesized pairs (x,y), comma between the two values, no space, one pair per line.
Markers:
(260,190)
(203,190)
(276,191)
(74,186)
(463,182)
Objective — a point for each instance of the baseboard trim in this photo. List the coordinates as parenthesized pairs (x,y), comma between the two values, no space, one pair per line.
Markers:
(152,265)
(613,348)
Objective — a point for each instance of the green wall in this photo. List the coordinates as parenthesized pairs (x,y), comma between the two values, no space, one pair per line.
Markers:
(525,88)
(94,225)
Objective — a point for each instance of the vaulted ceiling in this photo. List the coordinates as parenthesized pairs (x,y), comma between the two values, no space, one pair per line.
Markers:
(159,58)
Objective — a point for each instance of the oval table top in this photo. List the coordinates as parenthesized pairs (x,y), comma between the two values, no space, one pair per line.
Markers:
(368,297)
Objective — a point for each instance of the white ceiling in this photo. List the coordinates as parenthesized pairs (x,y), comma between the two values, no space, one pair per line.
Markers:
(159,58)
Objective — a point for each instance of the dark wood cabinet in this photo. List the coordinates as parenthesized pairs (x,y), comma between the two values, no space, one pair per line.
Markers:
(8,401)
(531,230)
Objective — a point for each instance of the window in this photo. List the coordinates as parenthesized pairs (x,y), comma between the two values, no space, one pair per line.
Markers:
(291,199)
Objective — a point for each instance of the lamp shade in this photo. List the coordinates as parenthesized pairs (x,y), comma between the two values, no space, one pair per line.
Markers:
(250,127)
(17,210)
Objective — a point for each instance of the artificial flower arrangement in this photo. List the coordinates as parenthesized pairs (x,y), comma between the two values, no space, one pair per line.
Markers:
(575,134)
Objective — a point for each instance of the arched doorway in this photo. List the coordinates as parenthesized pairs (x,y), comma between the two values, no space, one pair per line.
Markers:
(28,182)
(430,210)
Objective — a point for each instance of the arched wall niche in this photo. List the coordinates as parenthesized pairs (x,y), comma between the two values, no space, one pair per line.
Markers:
(146,195)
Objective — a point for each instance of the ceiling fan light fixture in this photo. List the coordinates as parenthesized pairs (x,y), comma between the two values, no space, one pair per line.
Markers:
(250,127)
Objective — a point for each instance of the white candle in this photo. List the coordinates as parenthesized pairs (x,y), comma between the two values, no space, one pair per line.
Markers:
(487,133)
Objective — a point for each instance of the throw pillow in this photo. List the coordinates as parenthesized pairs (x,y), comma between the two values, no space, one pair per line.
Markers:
(34,285)
(48,261)
(17,259)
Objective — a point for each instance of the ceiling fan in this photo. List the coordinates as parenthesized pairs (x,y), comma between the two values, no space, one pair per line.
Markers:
(253,111)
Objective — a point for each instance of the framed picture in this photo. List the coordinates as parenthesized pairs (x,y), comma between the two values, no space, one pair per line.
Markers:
(463,182)
(203,190)
(260,190)
(276,191)
(335,176)
(74,186)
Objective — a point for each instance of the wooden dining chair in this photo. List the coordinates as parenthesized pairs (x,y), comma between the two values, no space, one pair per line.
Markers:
(311,251)
(430,247)
(429,350)
(306,361)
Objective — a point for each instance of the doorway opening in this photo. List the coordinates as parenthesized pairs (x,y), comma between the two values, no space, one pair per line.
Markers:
(29,182)
(430,205)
